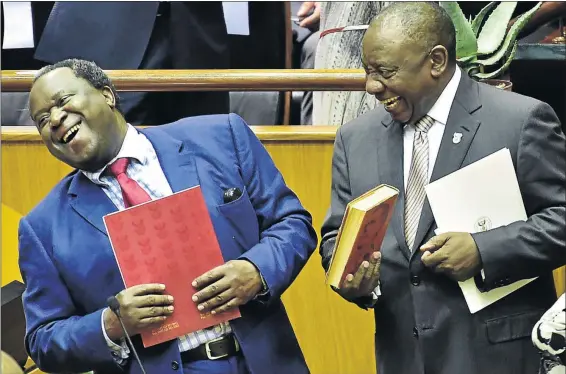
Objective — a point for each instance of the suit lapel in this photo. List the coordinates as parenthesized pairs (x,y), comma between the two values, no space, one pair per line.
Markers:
(390,161)
(175,159)
(178,165)
(452,153)
(90,201)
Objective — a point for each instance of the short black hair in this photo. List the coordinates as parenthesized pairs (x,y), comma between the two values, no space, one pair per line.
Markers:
(425,23)
(87,70)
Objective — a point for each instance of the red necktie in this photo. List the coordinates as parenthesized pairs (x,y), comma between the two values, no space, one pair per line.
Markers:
(132,192)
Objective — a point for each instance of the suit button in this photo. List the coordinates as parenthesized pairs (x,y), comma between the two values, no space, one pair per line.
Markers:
(174,365)
(415,280)
(415,333)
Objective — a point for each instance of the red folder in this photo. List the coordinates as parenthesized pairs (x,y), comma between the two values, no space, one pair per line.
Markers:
(170,241)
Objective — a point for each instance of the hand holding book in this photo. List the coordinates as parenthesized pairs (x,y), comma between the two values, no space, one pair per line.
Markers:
(227,286)
(171,241)
(354,268)
(141,306)
(364,281)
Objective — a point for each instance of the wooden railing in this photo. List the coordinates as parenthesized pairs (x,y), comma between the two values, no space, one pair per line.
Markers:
(214,80)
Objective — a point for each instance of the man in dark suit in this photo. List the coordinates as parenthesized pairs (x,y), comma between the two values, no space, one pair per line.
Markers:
(15,104)
(68,265)
(423,324)
(144,35)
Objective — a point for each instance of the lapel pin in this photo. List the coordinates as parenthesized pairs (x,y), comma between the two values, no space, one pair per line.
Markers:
(456,137)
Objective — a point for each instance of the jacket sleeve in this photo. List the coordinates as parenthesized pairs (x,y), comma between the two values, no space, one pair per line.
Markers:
(59,338)
(340,196)
(528,249)
(287,238)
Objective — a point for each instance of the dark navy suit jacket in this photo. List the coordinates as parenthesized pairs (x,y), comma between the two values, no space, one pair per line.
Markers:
(115,34)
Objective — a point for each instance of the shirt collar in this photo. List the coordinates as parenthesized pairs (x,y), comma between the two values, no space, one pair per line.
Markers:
(130,149)
(441,108)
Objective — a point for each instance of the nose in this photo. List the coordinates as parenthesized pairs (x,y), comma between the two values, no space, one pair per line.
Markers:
(374,87)
(57,116)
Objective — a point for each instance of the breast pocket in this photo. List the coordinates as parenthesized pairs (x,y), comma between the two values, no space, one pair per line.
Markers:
(512,327)
(242,220)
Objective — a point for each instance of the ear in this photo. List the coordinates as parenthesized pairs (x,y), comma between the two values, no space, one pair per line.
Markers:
(439,59)
(109,96)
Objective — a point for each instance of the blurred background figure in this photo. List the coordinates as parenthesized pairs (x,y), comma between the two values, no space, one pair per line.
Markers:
(305,24)
(336,50)
(154,35)
(18,55)
(144,35)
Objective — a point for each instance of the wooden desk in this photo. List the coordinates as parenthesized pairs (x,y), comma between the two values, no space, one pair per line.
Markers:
(336,337)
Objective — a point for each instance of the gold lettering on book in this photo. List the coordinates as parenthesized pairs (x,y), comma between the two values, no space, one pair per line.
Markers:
(164,328)
(205,315)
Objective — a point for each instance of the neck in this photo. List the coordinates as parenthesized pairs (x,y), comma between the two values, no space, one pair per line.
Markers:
(112,147)
(447,76)
(122,130)
(437,91)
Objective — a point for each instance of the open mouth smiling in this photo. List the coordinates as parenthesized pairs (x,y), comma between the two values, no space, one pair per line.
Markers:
(70,134)
(391,103)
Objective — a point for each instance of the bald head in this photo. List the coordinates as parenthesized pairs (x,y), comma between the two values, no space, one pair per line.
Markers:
(423,24)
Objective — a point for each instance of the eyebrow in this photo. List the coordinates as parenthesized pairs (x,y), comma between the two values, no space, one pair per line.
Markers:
(54,97)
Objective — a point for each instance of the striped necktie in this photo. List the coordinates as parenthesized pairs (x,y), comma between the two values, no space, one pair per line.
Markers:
(418,179)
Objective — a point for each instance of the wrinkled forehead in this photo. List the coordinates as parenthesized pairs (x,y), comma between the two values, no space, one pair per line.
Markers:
(387,46)
(52,84)
(55,80)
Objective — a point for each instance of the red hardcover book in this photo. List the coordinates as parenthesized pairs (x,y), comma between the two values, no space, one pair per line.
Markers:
(170,241)
(362,231)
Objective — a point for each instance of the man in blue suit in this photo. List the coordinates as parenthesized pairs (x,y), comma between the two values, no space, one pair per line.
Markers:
(68,265)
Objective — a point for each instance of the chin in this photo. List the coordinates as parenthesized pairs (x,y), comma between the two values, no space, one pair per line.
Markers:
(82,163)
(411,118)
(402,117)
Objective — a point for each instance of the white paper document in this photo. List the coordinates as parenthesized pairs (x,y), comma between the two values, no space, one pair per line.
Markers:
(479,197)
(236,17)
(18,25)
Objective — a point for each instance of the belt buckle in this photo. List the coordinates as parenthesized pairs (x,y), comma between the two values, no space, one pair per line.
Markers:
(209,353)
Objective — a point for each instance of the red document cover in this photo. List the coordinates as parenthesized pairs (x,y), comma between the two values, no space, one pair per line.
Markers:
(170,241)
(371,235)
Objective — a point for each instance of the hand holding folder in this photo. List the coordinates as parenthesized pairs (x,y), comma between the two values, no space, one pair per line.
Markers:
(482,196)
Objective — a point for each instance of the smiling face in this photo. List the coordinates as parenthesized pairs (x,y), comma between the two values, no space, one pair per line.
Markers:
(76,121)
(404,75)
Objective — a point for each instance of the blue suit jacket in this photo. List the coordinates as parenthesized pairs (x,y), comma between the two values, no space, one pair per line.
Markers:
(69,268)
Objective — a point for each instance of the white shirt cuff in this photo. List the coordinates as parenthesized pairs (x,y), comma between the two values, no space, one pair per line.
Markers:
(121,352)
(374,297)
(377,292)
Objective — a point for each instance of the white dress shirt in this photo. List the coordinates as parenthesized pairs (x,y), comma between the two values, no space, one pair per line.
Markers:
(439,113)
